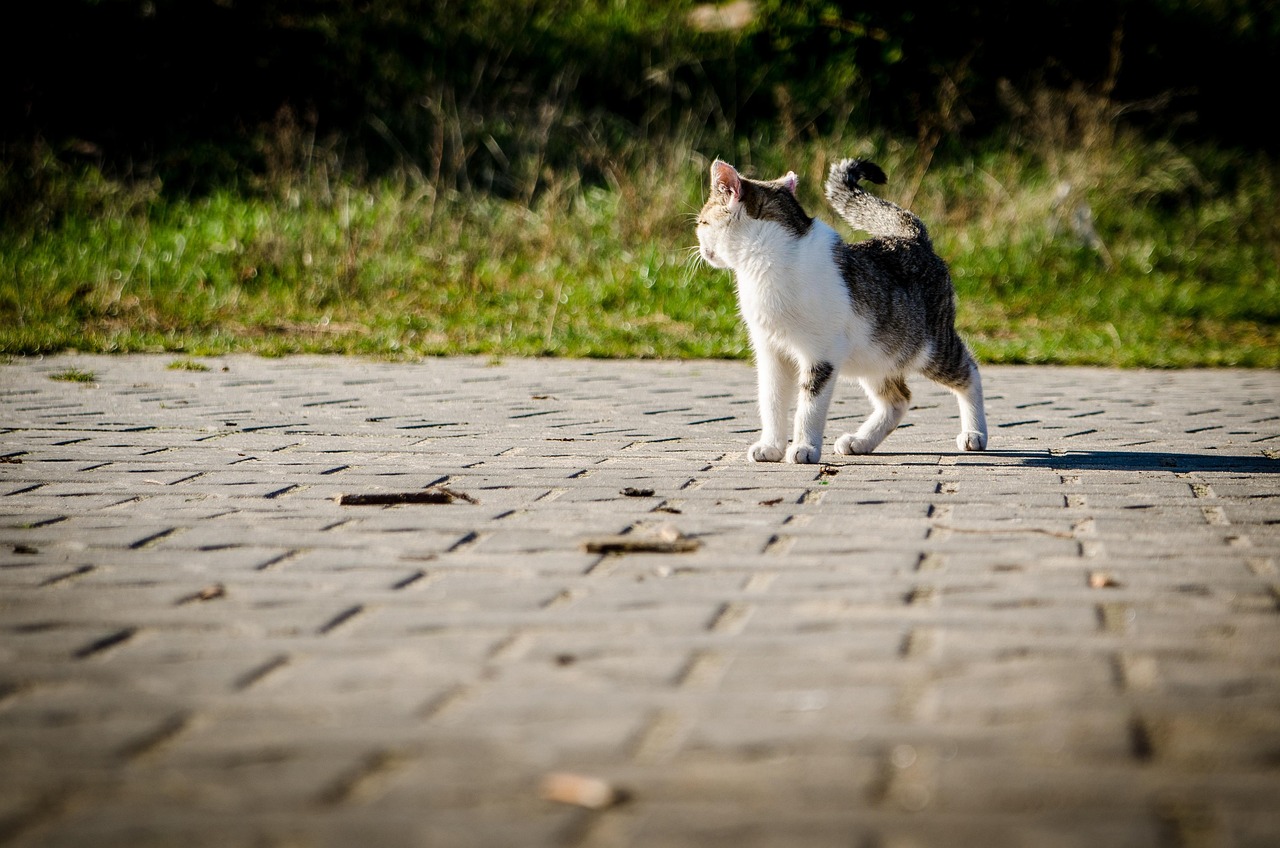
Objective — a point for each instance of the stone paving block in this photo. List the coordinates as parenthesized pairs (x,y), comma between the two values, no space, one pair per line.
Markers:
(1068,640)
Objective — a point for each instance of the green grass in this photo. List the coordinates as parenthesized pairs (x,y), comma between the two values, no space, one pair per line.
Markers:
(1188,273)
(187,365)
(74,375)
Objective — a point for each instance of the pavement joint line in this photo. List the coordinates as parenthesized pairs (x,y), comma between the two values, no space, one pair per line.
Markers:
(152,539)
(362,779)
(168,729)
(445,702)
(261,672)
(660,738)
(67,576)
(341,619)
(105,643)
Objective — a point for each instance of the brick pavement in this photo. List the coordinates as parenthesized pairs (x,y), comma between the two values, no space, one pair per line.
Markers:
(1070,640)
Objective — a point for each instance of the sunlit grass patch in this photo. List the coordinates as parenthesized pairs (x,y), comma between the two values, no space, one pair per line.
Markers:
(392,268)
(74,375)
(187,365)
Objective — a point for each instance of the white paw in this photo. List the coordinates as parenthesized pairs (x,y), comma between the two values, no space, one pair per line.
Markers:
(764,452)
(803,454)
(849,444)
(971,440)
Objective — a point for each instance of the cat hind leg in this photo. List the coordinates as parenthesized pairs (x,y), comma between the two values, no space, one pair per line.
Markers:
(890,399)
(959,373)
(973,421)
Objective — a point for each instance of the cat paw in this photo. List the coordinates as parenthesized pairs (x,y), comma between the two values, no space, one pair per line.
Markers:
(971,440)
(803,454)
(849,445)
(764,452)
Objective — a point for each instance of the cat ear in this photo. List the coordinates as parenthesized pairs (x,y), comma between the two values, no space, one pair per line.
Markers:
(725,180)
(790,181)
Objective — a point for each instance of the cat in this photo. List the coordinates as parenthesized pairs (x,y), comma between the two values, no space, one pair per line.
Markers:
(817,307)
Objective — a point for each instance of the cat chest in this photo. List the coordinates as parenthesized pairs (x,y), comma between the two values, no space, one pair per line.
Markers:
(792,304)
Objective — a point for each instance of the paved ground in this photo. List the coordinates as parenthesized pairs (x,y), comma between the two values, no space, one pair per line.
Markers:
(1071,640)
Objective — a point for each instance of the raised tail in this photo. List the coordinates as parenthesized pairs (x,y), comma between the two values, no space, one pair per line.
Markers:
(863,210)
(861,169)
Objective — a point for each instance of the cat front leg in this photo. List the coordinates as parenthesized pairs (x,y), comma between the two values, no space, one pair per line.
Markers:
(776,379)
(811,413)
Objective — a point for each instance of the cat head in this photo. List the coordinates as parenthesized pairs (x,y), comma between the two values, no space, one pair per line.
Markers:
(740,211)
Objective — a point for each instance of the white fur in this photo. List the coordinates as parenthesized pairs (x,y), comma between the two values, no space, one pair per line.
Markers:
(798,313)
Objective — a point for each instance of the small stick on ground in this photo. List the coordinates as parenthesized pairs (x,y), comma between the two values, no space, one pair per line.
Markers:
(434,495)
(667,540)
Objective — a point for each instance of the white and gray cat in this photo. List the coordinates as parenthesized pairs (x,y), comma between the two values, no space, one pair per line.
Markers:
(815,306)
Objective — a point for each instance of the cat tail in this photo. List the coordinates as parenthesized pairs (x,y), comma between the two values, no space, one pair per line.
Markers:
(863,210)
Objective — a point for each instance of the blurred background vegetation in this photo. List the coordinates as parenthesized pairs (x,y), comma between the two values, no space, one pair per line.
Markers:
(403,178)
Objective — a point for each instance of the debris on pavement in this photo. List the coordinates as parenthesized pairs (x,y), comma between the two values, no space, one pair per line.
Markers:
(664,540)
(208,593)
(1102,580)
(433,495)
(581,790)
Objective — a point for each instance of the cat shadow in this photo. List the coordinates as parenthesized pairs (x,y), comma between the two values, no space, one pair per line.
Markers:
(1122,460)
